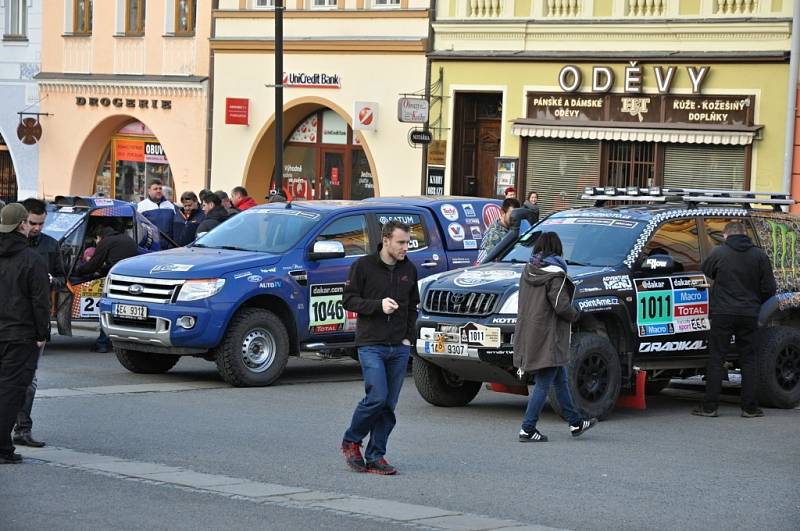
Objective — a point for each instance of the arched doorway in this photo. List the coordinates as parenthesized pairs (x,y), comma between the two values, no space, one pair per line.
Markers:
(8,176)
(323,159)
(132,158)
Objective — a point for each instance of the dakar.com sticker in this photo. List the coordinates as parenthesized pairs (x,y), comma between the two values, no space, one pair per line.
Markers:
(471,279)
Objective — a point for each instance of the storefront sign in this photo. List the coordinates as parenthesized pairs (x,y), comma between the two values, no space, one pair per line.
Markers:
(237,111)
(434,184)
(412,110)
(437,152)
(365,116)
(129,103)
(571,78)
(313,80)
(154,153)
(646,108)
(130,150)
(419,136)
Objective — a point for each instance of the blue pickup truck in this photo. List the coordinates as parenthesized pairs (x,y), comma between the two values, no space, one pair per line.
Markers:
(268,283)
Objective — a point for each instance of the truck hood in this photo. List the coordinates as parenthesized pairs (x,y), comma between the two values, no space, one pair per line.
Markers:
(192,262)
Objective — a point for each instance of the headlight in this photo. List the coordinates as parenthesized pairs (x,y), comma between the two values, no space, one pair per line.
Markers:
(511,306)
(193,290)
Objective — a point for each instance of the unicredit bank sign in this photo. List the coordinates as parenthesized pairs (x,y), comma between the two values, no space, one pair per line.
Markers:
(311,80)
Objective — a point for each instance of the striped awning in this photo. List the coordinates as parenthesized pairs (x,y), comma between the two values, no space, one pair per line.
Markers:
(670,135)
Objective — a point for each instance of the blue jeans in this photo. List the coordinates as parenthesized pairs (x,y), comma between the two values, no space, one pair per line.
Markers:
(384,368)
(556,376)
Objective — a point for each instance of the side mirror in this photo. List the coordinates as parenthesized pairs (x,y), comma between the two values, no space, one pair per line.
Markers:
(659,263)
(325,250)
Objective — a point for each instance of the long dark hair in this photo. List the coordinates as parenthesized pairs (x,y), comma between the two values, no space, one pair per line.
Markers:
(548,244)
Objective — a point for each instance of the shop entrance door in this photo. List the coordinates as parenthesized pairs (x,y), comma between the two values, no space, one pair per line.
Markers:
(476,142)
(333,175)
(488,149)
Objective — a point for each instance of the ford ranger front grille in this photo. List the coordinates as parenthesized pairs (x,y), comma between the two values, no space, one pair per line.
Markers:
(143,289)
(459,303)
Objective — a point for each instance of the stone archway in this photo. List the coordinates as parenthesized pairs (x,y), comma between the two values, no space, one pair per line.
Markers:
(261,160)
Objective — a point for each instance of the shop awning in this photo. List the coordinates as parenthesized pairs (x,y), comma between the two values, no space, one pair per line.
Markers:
(668,133)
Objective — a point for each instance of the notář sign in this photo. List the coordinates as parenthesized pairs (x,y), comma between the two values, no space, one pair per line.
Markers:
(420,136)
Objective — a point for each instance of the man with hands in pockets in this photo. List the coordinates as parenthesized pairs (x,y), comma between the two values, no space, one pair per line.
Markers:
(382,290)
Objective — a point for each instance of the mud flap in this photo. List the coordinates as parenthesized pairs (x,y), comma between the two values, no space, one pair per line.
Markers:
(637,399)
(512,389)
(64,312)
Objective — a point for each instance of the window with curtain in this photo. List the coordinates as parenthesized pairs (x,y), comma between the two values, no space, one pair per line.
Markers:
(262,4)
(17,18)
(134,17)
(323,3)
(185,15)
(82,17)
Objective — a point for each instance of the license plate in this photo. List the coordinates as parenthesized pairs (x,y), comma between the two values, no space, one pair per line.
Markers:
(130,311)
(452,349)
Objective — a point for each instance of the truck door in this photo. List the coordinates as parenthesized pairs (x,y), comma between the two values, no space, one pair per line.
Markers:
(425,249)
(326,317)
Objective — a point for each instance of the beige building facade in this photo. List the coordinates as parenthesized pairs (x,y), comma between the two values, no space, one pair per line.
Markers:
(125,83)
(346,65)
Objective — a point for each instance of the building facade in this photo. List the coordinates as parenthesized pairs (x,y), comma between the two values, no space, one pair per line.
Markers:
(347,63)
(575,93)
(125,83)
(20,55)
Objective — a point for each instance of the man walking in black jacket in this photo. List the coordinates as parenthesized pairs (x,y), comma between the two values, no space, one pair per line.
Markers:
(743,280)
(382,289)
(24,319)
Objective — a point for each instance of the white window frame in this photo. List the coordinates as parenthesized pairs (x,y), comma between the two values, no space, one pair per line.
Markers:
(21,19)
(263,4)
(325,4)
(386,4)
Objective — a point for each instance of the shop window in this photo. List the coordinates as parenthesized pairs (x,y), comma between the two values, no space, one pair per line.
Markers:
(8,177)
(323,4)
(263,4)
(82,17)
(134,17)
(387,3)
(679,239)
(185,15)
(361,182)
(351,232)
(16,19)
(632,164)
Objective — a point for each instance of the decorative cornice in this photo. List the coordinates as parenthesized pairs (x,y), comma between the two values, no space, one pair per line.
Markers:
(362,46)
(124,88)
(323,13)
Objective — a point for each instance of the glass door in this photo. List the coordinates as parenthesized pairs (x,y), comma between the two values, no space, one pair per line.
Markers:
(332,184)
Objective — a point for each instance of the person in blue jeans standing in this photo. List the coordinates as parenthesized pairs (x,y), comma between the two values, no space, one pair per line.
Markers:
(382,290)
(542,335)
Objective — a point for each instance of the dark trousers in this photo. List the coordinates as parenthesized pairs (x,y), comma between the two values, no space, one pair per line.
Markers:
(722,328)
(384,368)
(17,368)
(24,420)
(545,378)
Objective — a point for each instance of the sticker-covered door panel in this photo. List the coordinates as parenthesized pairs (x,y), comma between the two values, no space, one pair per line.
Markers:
(672,305)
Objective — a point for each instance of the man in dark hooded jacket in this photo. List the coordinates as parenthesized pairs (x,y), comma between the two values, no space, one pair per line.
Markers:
(215,213)
(743,281)
(24,319)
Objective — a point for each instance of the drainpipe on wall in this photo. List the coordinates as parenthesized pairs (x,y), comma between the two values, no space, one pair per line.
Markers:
(210,106)
(428,50)
(791,108)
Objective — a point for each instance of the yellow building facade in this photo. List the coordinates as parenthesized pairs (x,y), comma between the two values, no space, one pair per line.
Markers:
(613,93)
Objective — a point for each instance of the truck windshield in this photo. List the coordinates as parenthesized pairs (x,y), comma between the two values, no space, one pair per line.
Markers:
(589,241)
(263,231)
(58,223)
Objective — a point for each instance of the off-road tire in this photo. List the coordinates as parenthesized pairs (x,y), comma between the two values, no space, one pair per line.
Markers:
(229,355)
(593,361)
(654,387)
(778,354)
(145,362)
(440,388)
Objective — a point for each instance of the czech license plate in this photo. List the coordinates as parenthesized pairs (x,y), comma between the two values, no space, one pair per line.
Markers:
(130,311)
(452,349)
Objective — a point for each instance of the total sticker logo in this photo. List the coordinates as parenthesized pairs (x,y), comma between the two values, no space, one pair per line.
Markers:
(449,212)
(470,279)
(491,213)
(456,232)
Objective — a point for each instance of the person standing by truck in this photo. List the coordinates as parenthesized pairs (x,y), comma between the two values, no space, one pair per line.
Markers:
(499,228)
(542,335)
(382,290)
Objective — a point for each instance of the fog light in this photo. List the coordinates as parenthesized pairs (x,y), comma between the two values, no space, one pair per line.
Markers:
(187,322)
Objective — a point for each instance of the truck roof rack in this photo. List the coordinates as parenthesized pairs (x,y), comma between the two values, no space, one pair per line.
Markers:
(690,196)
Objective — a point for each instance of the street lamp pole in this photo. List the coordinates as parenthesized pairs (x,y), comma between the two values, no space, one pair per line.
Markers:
(278,95)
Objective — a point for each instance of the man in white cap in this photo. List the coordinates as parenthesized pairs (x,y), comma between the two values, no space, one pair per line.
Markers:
(24,319)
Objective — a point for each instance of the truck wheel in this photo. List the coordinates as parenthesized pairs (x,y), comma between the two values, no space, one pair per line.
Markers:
(255,349)
(778,351)
(440,387)
(594,376)
(653,387)
(144,362)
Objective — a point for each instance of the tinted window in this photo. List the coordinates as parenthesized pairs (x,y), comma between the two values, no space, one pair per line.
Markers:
(599,242)
(679,240)
(266,231)
(419,238)
(351,231)
(716,226)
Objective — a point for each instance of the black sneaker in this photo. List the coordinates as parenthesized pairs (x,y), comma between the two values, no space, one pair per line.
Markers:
(382,467)
(353,457)
(26,439)
(752,413)
(580,428)
(533,436)
(703,412)
(10,459)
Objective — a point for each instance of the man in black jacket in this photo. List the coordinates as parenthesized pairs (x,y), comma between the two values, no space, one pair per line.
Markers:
(743,281)
(215,213)
(382,289)
(24,319)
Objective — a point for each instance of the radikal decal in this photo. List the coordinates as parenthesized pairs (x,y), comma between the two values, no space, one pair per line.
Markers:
(617,282)
(672,346)
(449,212)
(478,277)
(456,232)
(171,268)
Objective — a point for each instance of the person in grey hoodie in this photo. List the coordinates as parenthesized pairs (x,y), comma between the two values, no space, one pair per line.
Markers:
(542,335)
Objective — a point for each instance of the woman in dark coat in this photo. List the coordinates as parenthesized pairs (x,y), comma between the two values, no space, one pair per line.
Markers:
(542,335)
